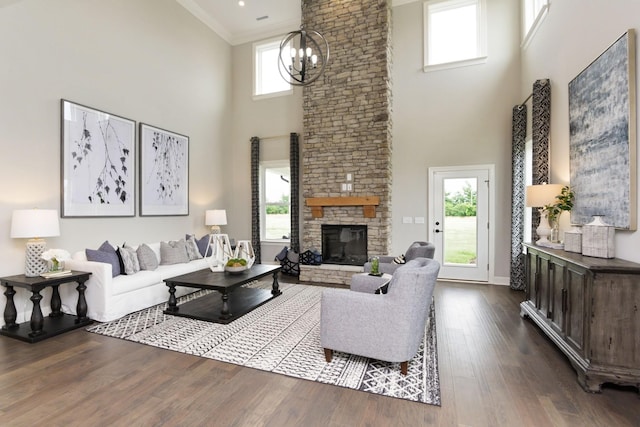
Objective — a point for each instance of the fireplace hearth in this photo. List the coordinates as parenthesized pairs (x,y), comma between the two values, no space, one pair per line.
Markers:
(344,244)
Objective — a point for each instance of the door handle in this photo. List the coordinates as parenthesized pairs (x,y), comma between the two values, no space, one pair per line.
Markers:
(438,231)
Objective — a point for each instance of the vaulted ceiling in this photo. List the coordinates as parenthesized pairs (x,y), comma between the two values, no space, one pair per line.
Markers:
(257,19)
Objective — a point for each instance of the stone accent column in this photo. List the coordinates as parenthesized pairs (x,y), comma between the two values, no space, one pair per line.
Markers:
(347,117)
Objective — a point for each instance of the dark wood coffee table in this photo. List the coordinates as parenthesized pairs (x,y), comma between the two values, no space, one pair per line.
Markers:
(235,301)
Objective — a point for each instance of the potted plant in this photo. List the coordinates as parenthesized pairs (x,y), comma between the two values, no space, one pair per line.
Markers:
(564,203)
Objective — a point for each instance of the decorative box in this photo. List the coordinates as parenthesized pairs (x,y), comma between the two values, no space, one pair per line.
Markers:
(598,239)
(573,240)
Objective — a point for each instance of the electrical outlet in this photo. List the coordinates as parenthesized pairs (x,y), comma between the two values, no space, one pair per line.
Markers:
(349,186)
(343,187)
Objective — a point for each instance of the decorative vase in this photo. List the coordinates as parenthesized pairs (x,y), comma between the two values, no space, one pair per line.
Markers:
(55,265)
(598,239)
(554,237)
(375,266)
(573,240)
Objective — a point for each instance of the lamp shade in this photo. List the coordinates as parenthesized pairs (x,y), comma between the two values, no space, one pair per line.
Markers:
(215,217)
(542,195)
(30,223)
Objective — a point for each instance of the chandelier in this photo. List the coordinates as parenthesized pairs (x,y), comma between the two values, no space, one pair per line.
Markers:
(303,56)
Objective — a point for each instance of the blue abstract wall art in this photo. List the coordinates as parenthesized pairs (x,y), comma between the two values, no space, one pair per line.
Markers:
(602,145)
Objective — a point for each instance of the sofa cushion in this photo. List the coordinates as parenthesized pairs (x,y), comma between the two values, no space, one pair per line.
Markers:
(124,284)
(146,257)
(193,252)
(107,254)
(172,270)
(129,259)
(173,252)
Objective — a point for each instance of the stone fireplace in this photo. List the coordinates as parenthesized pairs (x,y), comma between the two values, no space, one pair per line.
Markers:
(347,129)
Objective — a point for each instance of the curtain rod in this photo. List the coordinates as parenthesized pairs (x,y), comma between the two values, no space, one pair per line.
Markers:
(525,101)
(262,138)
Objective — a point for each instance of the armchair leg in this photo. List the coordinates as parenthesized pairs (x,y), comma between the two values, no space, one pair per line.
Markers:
(404,366)
(328,354)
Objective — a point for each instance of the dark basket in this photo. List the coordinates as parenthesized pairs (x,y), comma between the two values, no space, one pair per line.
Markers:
(309,257)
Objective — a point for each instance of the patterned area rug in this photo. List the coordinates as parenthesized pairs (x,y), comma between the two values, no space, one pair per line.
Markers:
(283,336)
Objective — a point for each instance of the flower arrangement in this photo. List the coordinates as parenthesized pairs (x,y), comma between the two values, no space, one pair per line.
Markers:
(564,203)
(55,257)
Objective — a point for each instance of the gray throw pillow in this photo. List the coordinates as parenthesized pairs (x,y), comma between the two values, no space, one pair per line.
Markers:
(146,257)
(173,252)
(192,248)
(107,254)
(129,260)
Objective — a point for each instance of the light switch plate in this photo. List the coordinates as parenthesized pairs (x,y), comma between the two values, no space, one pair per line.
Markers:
(407,220)
(419,220)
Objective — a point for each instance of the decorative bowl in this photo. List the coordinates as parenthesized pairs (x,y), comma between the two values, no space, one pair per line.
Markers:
(235,270)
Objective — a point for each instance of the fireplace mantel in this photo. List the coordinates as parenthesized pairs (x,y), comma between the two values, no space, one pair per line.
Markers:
(368,204)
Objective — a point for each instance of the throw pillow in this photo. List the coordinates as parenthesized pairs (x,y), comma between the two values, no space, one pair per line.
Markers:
(193,252)
(399,259)
(202,244)
(129,260)
(146,257)
(173,252)
(107,254)
(120,260)
(282,254)
(293,256)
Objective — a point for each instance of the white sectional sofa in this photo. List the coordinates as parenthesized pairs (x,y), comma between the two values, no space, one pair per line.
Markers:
(110,298)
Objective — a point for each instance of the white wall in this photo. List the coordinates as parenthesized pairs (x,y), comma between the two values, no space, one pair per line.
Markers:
(573,34)
(146,60)
(264,118)
(453,117)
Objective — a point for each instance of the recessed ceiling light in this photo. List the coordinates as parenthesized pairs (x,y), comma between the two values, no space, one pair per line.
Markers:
(241,3)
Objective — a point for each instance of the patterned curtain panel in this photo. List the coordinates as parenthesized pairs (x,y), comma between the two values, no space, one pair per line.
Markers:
(255,196)
(540,126)
(519,134)
(294,160)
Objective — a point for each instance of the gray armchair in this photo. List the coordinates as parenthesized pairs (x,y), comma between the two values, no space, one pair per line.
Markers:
(416,250)
(387,326)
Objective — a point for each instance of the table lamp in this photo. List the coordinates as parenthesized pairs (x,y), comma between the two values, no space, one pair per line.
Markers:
(215,218)
(33,224)
(538,196)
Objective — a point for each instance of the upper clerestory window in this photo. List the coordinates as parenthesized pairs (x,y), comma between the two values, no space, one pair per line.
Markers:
(455,33)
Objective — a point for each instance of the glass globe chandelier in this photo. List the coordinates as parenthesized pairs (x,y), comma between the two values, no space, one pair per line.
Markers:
(303,56)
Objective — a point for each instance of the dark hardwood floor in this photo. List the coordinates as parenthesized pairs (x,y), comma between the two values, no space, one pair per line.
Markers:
(496,369)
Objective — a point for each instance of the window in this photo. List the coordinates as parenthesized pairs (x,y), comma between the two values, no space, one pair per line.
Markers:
(267,80)
(275,213)
(533,12)
(455,33)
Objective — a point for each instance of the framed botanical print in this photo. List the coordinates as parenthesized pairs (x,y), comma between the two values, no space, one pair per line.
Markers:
(97,162)
(164,172)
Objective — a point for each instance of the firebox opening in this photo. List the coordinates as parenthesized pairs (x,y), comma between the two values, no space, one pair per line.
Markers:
(344,244)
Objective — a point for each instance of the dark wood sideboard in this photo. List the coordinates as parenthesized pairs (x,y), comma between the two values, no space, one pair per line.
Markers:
(590,308)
